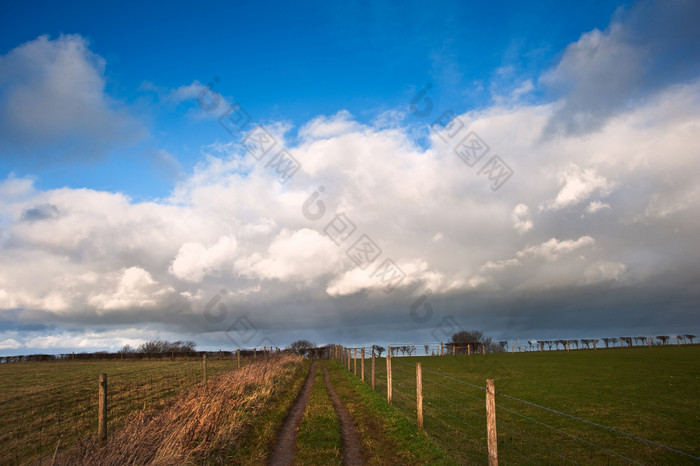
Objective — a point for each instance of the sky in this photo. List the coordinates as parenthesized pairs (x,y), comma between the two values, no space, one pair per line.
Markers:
(247,174)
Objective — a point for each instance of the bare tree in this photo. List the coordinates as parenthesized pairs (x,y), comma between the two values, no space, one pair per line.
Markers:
(301,347)
(378,349)
(627,340)
(473,339)
(427,349)
(689,337)
(607,341)
(663,338)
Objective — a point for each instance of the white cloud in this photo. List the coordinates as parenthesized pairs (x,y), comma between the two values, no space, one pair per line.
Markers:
(194,261)
(9,343)
(605,73)
(326,127)
(303,256)
(134,288)
(577,185)
(522,221)
(553,249)
(54,102)
(106,258)
(596,206)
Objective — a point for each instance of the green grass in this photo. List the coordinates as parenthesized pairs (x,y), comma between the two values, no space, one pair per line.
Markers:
(653,393)
(388,437)
(44,401)
(319,440)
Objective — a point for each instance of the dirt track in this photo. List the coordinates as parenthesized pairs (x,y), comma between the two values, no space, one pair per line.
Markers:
(283,454)
(351,439)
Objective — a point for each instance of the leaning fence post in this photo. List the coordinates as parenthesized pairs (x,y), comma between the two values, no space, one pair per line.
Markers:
(204,365)
(491,422)
(388,378)
(419,395)
(372,368)
(363,364)
(102,410)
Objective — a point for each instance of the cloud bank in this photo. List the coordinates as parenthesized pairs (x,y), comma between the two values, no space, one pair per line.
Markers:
(596,228)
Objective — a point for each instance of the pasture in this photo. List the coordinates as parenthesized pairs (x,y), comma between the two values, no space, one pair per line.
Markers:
(585,406)
(41,402)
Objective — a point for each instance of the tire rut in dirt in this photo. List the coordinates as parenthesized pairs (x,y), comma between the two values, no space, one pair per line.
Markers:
(283,454)
(352,455)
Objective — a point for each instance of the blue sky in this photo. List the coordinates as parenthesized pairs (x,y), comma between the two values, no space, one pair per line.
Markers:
(289,62)
(125,207)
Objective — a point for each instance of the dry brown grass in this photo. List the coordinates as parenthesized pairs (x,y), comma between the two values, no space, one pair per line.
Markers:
(199,425)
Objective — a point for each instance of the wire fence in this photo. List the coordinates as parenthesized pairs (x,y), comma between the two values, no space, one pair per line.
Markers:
(454,415)
(49,413)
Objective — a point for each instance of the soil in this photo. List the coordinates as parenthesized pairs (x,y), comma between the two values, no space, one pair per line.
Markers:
(352,455)
(283,454)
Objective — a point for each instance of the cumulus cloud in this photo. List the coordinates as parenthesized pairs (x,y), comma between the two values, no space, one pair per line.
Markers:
(231,235)
(521,218)
(134,288)
(596,206)
(553,249)
(9,343)
(194,261)
(646,48)
(53,103)
(577,185)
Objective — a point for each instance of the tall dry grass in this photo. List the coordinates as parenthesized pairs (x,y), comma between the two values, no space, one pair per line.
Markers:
(199,425)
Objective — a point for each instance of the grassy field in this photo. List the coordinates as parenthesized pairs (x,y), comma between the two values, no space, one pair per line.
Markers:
(41,402)
(652,393)
(319,440)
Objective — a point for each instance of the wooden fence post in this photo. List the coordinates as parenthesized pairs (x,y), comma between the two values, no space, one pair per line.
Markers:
(204,365)
(491,422)
(512,348)
(238,353)
(483,349)
(388,378)
(453,350)
(469,349)
(372,368)
(595,344)
(441,352)
(102,410)
(419,395)
(354,368)
(363,364)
